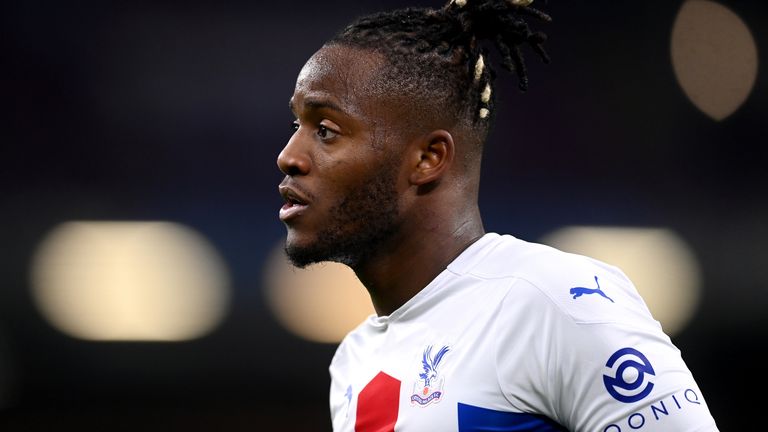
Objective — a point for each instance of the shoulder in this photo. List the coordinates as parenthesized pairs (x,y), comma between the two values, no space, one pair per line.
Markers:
(583,324)
(585,289)
(507,256)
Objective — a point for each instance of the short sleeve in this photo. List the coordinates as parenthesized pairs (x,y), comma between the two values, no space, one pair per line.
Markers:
(618,373)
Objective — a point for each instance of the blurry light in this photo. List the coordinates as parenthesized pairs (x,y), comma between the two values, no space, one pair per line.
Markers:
(659,263)
(321,303)
(714,57)
(148,281)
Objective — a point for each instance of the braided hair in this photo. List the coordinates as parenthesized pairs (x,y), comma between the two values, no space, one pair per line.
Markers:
(440,57)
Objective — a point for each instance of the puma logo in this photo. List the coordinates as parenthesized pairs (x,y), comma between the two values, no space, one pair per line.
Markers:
(580,291)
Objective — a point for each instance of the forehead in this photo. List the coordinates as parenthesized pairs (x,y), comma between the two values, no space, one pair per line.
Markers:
(341,75)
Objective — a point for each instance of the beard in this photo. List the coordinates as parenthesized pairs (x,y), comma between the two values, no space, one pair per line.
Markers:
(360,223)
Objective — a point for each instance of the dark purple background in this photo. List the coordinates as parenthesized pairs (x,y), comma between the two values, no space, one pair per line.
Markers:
(177,110)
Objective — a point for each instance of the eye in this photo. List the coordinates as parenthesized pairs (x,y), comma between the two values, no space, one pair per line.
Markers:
(294,126)
(325,133)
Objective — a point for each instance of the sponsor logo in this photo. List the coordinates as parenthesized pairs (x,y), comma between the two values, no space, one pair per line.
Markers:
(580,291)
(429,387)
(628,380)
(676,404)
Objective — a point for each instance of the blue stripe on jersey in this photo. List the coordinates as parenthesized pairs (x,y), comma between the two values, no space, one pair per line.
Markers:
(477,419)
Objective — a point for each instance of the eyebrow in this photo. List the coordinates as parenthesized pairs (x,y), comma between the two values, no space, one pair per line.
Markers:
(317,104)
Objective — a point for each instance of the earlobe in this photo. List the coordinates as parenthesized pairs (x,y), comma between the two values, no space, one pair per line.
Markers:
(435,153)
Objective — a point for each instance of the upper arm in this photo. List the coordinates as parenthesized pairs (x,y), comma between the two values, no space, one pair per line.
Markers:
(616,373)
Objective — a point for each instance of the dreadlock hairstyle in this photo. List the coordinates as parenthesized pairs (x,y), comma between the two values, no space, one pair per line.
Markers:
(440,57)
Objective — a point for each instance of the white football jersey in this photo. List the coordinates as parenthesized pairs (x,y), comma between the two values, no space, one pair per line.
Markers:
(516,336)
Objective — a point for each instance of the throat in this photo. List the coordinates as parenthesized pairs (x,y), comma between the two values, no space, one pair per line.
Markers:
(393,279)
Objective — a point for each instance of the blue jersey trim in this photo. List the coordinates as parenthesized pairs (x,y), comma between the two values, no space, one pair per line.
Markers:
(477,419)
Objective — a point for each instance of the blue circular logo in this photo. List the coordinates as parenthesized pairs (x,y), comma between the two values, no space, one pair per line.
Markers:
(629,382)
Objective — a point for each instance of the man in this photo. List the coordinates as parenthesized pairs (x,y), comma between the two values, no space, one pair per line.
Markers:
(473,331)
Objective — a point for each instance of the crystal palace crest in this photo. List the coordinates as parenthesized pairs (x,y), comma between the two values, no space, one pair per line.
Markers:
(429,387)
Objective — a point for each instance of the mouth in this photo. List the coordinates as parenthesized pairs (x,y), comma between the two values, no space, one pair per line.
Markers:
(294,204)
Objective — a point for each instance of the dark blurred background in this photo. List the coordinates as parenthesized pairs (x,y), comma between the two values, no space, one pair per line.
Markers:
(176,111)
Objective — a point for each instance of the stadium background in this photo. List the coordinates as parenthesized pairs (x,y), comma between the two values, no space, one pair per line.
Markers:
(163,111)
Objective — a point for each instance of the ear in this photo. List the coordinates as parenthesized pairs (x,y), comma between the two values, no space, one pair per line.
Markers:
(432,156)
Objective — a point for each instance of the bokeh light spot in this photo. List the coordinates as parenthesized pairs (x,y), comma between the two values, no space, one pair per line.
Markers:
(320,303)
(129,281)
(714,57)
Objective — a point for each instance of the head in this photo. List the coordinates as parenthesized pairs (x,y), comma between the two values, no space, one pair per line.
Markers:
(391,117)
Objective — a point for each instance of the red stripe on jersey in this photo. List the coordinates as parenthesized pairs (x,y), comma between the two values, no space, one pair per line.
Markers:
(378,405)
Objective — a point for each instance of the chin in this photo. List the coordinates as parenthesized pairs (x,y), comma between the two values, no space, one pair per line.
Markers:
(303,254)
(296,241)
(301,251)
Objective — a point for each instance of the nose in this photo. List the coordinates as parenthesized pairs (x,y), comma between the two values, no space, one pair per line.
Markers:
(294,160)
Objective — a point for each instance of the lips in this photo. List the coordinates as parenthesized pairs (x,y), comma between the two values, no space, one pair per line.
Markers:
(295,202)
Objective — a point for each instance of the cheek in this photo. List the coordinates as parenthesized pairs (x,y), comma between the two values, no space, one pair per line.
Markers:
(342,174)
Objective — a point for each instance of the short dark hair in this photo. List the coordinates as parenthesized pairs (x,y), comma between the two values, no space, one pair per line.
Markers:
(440,57)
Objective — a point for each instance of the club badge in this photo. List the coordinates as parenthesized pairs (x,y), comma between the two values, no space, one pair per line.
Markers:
(429,387)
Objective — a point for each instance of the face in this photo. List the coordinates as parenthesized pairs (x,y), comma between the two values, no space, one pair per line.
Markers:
(340,189)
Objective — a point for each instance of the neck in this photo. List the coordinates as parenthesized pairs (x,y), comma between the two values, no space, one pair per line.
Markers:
(416,255)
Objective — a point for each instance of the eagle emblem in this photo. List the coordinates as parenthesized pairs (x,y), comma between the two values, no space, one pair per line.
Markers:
(429,387)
